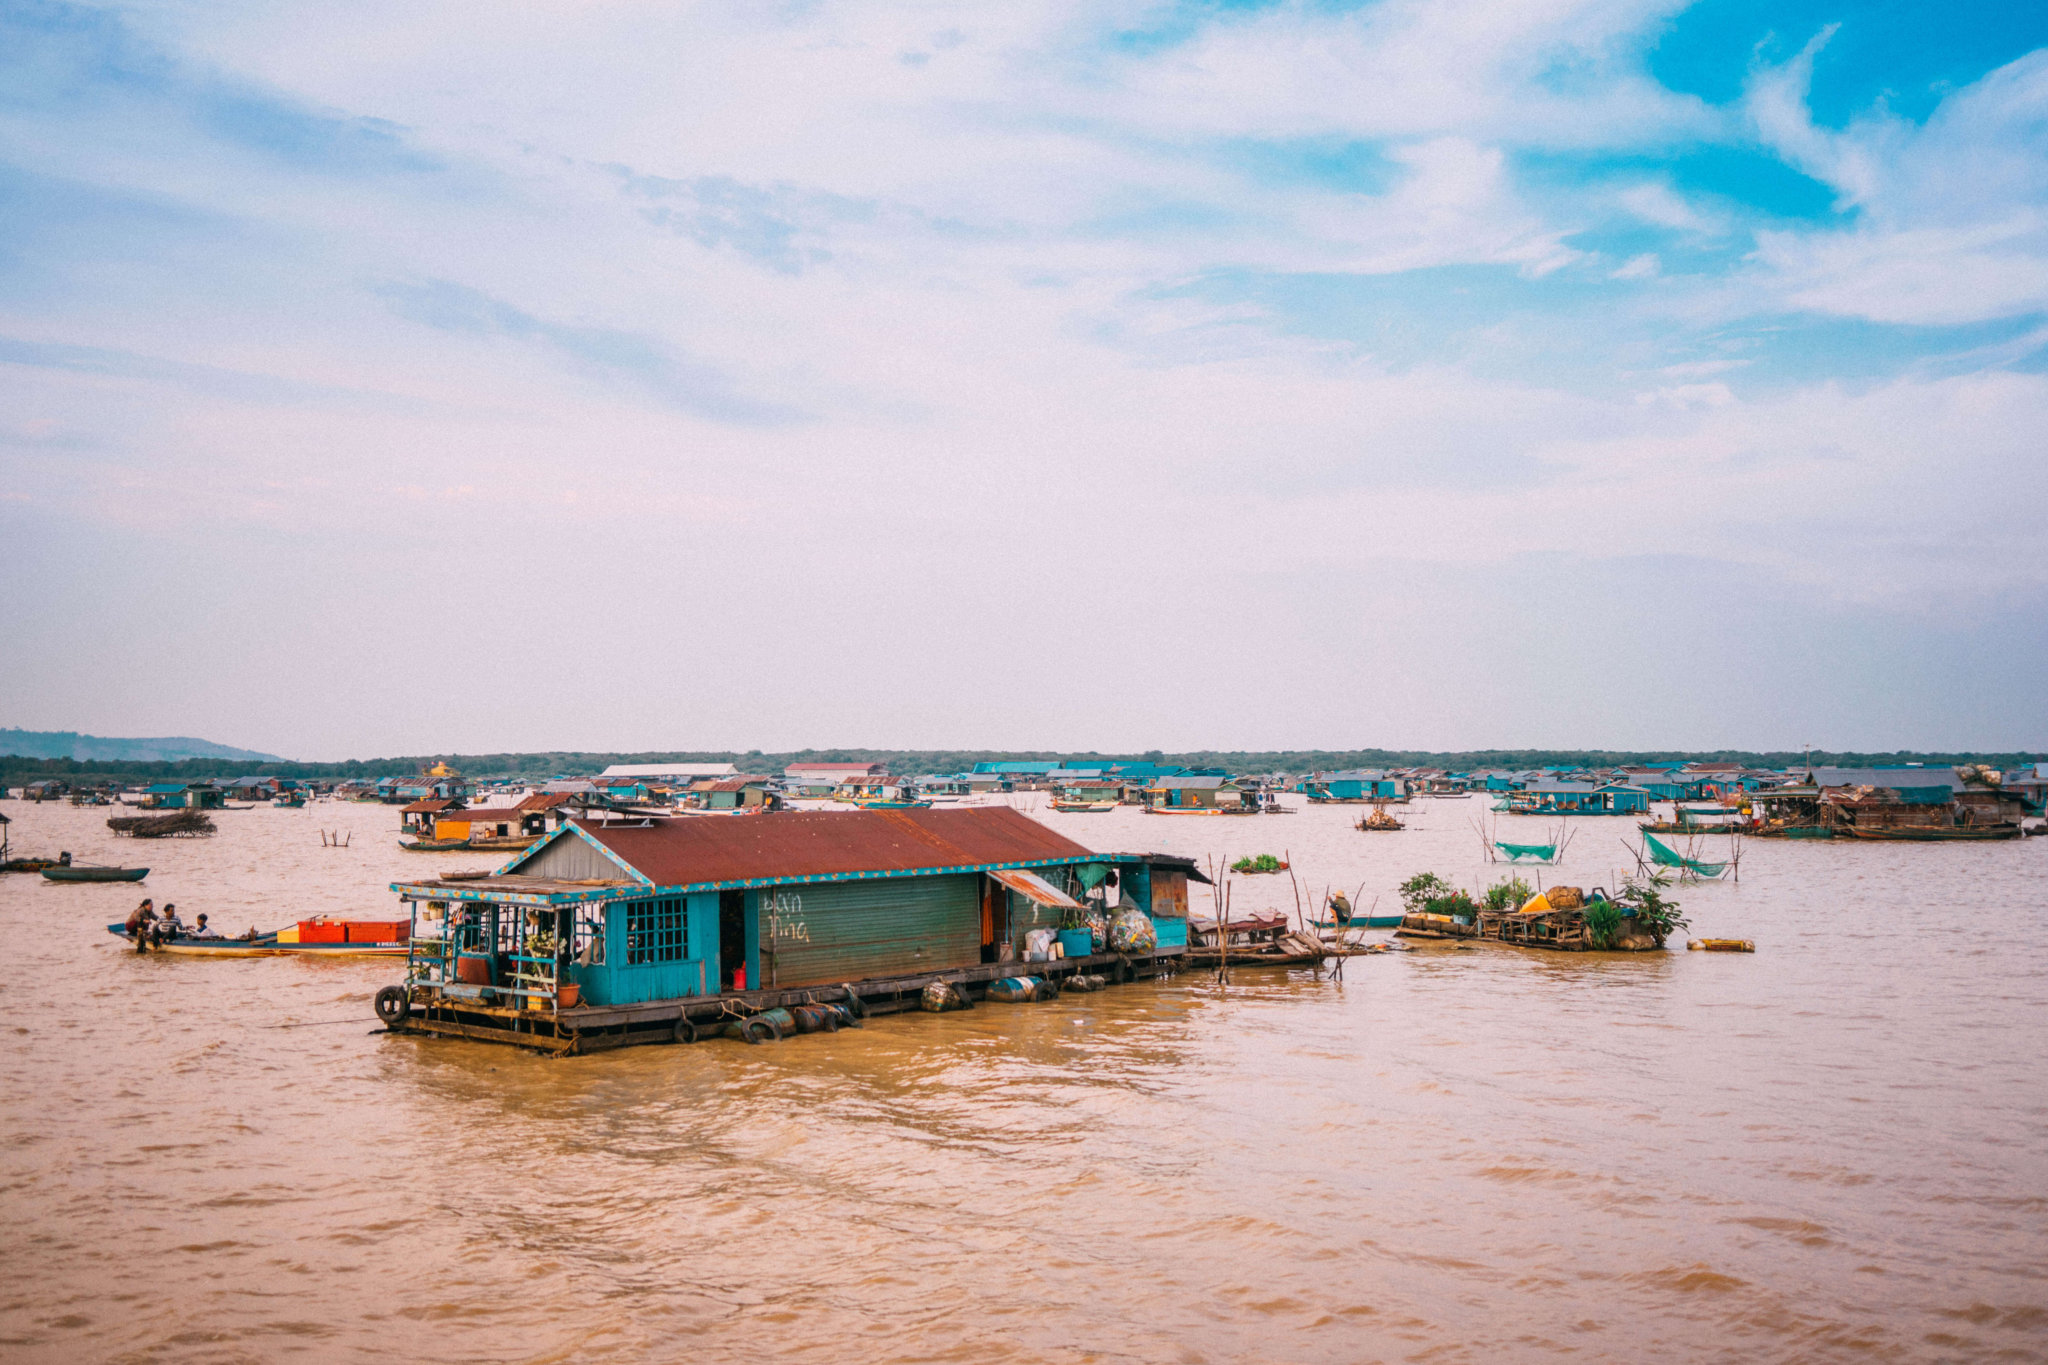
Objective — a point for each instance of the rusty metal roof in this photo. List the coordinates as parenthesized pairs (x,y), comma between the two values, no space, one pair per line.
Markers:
(484,816)
(831,843)
(425,807)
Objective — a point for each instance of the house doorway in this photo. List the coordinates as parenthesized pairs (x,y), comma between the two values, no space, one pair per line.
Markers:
(995,918)
(732,935)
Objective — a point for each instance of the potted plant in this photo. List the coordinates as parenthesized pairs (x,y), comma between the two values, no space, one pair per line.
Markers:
(1075,936)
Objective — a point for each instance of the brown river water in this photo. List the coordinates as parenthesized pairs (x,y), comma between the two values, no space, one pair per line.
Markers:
(1835,1149)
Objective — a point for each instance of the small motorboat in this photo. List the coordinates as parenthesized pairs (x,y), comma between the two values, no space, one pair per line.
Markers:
(73,872)
(307,938)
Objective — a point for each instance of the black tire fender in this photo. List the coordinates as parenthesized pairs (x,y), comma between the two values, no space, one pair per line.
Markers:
(393,1005)
(686,1032)
(758,1030)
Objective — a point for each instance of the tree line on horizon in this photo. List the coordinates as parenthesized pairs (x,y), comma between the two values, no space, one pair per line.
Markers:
(16,770)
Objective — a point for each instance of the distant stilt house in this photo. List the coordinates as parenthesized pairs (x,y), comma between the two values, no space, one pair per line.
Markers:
(608,933)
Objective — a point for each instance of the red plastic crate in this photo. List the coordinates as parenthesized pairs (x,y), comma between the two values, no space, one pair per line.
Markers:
(322,931)
(378,931)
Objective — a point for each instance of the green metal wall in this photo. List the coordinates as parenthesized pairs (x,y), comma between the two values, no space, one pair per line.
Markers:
(848,931)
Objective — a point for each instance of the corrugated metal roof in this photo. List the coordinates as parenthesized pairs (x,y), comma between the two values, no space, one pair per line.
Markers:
(1942,776)
(669,770)
(825,843)
(484,816)
(425,807)
(1186,783)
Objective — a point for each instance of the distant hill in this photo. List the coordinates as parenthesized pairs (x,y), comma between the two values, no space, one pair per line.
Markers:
(71,744)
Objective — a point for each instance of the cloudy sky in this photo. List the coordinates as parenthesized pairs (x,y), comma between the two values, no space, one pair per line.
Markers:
(396,377)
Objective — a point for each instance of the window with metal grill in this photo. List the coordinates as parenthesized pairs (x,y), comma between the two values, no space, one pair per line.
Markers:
(656,932)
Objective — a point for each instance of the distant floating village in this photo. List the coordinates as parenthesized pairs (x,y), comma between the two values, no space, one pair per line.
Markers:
(444,809)
(670,902)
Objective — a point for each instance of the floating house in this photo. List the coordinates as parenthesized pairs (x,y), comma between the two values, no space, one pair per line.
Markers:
(1887,804)
(182,796)
(1197,793)
(1553,796)
(606,934)
(738,793)
(418,818)
(1355,784)
(820,779)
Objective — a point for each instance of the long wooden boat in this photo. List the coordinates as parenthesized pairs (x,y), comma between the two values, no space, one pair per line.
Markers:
(27,864)
(286,942)
(75,873)
(1358,922)
(879,804)
(434,845)
(1084,807)
(1924,833)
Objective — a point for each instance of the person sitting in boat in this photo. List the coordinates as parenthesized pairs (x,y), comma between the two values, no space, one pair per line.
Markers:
(141,925)
(200,929)
(169,926)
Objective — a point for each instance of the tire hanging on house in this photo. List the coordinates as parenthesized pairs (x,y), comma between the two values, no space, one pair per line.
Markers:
(393,1005)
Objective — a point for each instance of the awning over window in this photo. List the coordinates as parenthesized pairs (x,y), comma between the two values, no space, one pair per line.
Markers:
(1034,887)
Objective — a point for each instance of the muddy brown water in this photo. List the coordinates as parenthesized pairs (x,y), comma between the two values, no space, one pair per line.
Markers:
(1835,1149)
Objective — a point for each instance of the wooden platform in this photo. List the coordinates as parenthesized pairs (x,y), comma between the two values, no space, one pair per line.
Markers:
(592,1028)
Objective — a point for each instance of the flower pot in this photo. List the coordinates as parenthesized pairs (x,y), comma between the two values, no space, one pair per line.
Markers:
(568,996)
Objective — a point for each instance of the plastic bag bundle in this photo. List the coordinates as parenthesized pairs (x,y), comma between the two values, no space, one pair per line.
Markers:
(1038,945)
(1131,932)
(1083,981)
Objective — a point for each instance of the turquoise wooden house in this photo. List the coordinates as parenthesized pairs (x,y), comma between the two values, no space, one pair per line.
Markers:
(635,930)
(1552,796)
(1357,784)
